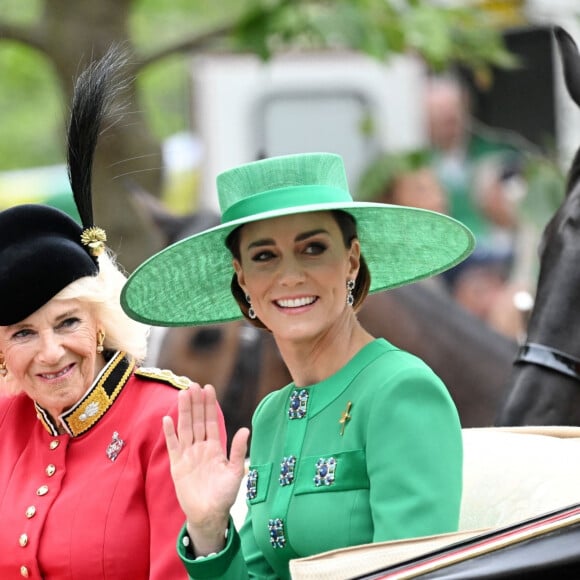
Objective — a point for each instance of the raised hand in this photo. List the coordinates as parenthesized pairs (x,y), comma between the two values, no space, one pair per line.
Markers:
(206,481)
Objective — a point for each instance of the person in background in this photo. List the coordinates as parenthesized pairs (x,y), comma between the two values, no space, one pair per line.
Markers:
(481,171)
(403,178)
(474,165)
(480,287)
(365,443)
(85,484)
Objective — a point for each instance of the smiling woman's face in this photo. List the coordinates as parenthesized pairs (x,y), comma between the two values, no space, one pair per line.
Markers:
(51,355)
(295,269)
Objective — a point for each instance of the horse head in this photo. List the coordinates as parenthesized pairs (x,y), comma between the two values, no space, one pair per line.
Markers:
(545,386)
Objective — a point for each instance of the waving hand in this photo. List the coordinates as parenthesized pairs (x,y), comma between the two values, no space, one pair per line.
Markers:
(206,481)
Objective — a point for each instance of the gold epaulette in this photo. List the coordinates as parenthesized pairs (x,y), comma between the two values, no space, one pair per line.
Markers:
(164,376)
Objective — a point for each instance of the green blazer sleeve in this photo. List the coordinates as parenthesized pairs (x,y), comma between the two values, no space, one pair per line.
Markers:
(229,563)
(414,457)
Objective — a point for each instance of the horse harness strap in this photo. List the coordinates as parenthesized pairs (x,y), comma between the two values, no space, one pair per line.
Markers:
(551,358)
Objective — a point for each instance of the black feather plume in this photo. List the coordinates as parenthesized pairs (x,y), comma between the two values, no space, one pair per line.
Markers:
(95,91)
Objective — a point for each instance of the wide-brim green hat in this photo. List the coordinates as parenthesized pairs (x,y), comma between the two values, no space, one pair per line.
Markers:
(188,283)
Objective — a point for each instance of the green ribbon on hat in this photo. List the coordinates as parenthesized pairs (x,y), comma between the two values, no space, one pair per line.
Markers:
(284,198)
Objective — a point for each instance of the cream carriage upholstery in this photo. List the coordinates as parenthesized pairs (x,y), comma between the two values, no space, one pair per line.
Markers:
(510,474)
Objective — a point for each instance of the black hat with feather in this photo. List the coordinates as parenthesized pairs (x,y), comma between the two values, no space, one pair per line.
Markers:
(42,249)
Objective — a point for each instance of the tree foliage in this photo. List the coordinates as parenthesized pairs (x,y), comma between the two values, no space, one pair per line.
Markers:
(43,43)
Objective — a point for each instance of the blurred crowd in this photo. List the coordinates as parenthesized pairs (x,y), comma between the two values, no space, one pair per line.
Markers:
(480,176)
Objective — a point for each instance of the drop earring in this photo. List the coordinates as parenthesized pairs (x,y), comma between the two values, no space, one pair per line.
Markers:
(350,284)
(251,311)
(3,369)
(100,341)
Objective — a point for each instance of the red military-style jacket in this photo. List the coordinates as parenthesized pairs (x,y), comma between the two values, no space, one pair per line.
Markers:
(97,502)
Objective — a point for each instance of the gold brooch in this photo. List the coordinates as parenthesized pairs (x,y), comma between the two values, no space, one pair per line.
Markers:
(95,239)
(345,417)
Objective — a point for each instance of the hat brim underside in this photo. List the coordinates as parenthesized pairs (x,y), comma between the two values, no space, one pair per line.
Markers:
(188,283)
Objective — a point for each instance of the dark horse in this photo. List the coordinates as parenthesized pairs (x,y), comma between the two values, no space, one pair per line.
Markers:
(545,383)
(243,362)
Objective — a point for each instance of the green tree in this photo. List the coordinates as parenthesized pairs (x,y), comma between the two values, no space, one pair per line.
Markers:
(44,43)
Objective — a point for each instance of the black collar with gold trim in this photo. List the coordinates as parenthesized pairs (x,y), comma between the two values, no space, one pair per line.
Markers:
(95,402)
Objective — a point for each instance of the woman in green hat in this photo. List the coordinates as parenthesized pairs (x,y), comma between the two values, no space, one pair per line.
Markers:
(365,444)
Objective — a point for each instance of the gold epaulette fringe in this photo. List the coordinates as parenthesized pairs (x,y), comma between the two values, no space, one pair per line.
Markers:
(164,376)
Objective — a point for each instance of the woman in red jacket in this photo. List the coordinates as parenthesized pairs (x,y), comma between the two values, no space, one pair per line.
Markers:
(85,486)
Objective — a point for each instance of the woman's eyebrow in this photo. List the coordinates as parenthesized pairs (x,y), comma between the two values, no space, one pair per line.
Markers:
(298,238)
(262,242)
(67,314)
(306,235)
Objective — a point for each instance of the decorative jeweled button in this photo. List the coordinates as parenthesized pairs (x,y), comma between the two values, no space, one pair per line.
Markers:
(298,403)
(54,444)
(24,572)
(23,540)
(30,511)
(50,470)
(252,484)
(325,469)
(276,529)
(42,490)
(287,466)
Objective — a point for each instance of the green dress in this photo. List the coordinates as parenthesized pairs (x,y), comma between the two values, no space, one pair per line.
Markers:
(372,453)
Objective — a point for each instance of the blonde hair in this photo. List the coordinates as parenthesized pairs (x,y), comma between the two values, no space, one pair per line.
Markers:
(103,293)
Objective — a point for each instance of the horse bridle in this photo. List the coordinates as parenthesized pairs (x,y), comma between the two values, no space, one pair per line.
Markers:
(546,356)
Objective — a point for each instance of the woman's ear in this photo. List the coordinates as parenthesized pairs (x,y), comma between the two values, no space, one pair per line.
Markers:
(354,259)
(239,273)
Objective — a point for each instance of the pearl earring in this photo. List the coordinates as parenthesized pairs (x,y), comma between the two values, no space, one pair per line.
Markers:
(100,341)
